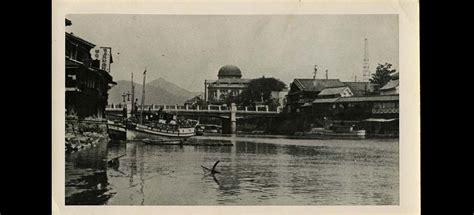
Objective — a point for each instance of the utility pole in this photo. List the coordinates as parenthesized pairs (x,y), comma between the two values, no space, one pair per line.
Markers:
(133,94)
(366,69)
(315,71)
(143,97)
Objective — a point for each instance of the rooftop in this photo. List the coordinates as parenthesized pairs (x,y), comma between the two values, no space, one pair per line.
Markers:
(317,84)
(229,71)
(332,91)
(71,36)
(390,85)
(358,88)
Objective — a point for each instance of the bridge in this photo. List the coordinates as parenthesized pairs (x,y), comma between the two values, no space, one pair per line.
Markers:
(220,111)
(228,114)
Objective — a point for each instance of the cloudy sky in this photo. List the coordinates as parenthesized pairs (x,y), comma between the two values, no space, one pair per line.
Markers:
(188,49)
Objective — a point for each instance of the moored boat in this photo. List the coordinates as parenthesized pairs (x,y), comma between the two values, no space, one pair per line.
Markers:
(116,130)
(335,132)
(153,129)
(159,132)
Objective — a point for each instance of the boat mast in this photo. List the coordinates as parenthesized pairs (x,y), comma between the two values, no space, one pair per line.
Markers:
(133,95)
(143,97)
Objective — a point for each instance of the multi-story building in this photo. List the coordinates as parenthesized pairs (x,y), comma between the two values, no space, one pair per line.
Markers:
(228,85)
(304,91)
(86,83)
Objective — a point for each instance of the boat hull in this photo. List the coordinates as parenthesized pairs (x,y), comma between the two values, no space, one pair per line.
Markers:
(117,132)
(325,134)
(155,135)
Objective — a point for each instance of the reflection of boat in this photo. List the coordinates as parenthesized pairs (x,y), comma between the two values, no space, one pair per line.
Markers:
(335,132)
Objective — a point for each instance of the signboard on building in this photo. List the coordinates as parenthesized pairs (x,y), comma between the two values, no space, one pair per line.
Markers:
(104,54)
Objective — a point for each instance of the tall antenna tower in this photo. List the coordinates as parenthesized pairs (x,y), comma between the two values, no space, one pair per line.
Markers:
(366,69)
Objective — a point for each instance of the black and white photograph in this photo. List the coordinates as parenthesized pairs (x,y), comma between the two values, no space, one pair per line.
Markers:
(232,109)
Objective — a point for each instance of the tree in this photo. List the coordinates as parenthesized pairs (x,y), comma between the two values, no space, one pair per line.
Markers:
(382,74)
(260,89)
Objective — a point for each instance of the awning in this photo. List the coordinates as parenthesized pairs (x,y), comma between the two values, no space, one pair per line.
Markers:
(379,120)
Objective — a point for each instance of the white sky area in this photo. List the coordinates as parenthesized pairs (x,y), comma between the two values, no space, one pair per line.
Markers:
(186,49)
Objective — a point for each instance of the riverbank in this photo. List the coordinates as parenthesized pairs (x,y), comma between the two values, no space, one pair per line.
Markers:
(279,136)
(84,134)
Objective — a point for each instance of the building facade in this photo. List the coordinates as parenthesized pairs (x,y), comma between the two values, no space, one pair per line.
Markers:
(86,84)
(228,85)
(304,91)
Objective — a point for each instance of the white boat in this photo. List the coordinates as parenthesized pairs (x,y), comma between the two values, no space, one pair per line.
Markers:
(157,132)
(335,132)
(153,131)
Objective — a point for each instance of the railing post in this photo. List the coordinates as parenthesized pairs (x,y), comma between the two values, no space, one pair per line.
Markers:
(246,108)
(208,107)
(220,108)
(186,107)
(197,107)
(266,108)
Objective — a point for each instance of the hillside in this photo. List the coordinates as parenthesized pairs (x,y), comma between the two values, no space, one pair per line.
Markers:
(158,91)
(173,88)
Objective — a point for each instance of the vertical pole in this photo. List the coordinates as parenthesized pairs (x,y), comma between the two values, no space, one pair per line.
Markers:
(143,97)
(133,94)
(233,118)
(205,90)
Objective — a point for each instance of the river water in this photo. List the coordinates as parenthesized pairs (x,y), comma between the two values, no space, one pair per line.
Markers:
(254,171)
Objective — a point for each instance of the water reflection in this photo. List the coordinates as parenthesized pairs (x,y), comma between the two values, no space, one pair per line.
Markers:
(325,172)
(86,181)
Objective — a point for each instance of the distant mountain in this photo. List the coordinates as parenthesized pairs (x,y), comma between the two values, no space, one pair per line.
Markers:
(159,91)
(172,88)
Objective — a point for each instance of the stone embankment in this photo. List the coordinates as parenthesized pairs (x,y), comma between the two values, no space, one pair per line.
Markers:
(82,134)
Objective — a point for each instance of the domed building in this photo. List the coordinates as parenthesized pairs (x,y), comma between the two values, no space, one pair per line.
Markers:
(228,85)
(229,71)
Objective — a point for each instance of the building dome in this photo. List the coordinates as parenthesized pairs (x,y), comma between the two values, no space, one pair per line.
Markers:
(229,71)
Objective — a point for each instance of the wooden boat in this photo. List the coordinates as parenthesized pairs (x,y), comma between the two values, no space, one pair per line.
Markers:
(335,132)
(143,129)
(116,130)
(156,132)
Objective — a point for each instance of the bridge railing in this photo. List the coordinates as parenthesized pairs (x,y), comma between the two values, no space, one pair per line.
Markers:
(223,108)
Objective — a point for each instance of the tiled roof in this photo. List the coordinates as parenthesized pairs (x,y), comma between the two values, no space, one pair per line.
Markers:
(317,84)
(78,39)
(332,91)
(358,88)
(390,85)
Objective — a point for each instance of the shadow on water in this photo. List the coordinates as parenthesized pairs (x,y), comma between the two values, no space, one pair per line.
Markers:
(251,173)
(86,177)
